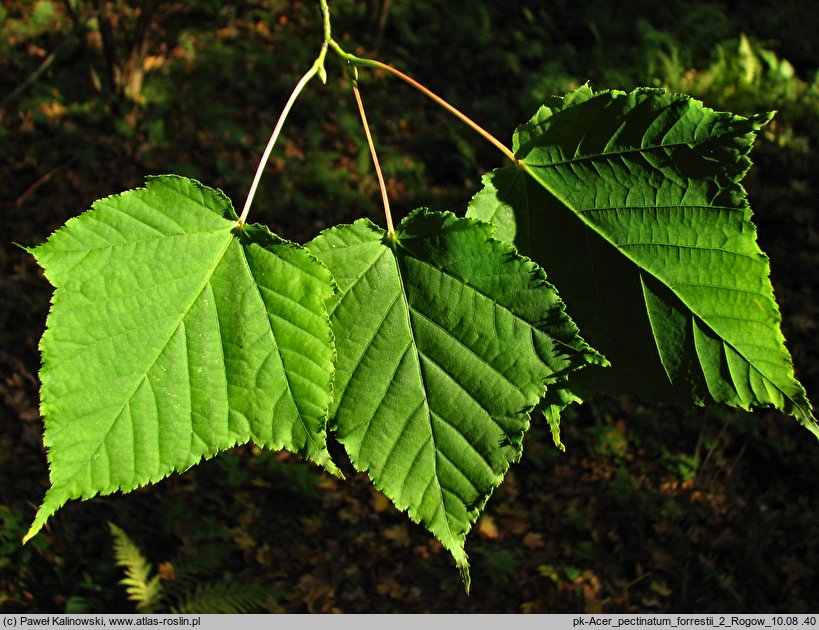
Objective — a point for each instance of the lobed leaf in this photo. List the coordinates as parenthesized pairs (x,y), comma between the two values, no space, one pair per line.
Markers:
(446,339)
(174,334)
(633,204)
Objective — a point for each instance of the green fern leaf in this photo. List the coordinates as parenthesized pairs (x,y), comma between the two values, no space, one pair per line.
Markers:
(142,588)
(198,563)
(223,597)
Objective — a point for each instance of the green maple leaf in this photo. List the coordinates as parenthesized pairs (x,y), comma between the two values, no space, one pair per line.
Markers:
(633,205)
(174,334)
(446,339)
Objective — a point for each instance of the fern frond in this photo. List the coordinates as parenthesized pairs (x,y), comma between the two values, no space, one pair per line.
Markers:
(225,597)
(197,563)
(144,590)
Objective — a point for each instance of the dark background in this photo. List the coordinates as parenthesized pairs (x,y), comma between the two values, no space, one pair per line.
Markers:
(652,508)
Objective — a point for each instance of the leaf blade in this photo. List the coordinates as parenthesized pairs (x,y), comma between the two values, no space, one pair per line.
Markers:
(160,349)
(431,401)
(647,186)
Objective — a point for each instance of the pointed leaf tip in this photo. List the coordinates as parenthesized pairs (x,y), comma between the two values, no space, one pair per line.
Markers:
(463,570)
(53,501)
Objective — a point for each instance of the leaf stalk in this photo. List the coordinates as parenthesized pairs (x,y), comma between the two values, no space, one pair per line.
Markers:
(373,63)
(316,68)
(384,197)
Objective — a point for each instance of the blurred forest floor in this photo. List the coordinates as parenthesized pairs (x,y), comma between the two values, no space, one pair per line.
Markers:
(651,508)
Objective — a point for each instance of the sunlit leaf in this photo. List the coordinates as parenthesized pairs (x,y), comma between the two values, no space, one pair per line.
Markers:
(446,339)
(173,334)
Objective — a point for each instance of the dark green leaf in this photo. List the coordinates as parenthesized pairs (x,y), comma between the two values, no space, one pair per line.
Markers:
(633,205)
